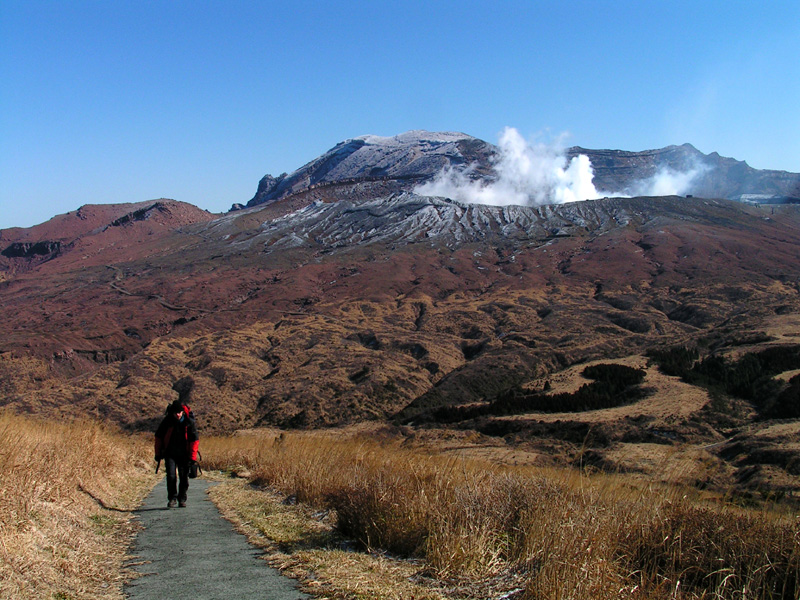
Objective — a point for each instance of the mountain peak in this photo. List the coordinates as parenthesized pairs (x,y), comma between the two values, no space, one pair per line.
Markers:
(416,136)
(399,163)
(410,156)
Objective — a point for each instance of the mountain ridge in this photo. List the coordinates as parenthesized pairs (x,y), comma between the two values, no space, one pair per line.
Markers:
(718,176)
(363,158)
(413,155)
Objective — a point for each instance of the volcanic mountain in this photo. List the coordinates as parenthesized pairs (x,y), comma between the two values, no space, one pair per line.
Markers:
(400,163)
(340,295)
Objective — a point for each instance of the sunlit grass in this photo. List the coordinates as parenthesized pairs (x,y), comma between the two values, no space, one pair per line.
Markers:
(56,539)
(569,535)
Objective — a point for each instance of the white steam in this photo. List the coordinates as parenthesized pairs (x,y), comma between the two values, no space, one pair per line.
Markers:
(526,174)
(538,173)
(666,182)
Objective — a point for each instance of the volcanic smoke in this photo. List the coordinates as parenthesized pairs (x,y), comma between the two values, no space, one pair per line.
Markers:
(539,173)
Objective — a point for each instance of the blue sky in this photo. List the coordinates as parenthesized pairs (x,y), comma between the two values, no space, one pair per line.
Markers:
(127,101)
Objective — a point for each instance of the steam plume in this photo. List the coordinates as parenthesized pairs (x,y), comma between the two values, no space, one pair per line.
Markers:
(526,174)
(667,182)
(534,174)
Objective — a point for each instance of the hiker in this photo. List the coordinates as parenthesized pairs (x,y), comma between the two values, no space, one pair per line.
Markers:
(176,443)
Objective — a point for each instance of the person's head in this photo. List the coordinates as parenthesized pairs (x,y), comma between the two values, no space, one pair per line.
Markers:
(176,409)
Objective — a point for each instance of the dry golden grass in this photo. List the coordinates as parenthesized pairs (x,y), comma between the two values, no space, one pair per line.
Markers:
(66,492)
(305,545)
(481,528)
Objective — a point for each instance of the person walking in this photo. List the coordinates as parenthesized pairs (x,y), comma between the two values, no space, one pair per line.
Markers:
(177,443)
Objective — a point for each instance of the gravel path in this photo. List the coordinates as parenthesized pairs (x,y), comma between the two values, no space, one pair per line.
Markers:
(193,553)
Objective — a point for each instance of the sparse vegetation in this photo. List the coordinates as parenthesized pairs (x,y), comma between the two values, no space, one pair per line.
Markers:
(65,500)
(612,385)
(547,534)
(750,377)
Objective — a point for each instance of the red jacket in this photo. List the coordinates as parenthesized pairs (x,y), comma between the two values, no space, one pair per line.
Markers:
(186,429)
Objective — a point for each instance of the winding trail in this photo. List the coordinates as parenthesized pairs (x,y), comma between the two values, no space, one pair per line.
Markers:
(193,553)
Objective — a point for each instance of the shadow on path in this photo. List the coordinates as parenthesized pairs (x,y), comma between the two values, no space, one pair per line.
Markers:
(193,553)
(100,502)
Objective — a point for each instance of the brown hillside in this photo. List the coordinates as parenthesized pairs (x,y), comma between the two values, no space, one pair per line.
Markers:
(310,313)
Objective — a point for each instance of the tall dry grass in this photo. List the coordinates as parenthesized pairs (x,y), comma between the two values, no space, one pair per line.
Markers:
(56,539)
(571,537)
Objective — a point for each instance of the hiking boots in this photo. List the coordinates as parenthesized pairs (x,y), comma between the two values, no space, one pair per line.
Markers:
(172,503)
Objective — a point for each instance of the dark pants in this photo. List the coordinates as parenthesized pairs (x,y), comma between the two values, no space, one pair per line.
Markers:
(175,468)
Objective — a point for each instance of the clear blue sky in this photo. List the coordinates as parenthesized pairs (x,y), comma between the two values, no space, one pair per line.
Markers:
(124,101)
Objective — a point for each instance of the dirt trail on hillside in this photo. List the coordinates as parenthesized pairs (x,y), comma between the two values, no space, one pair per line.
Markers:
(193,553)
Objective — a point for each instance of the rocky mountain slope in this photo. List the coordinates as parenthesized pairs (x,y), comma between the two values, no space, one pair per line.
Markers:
(716,176)
(354,299)
(404,161)
(93,229)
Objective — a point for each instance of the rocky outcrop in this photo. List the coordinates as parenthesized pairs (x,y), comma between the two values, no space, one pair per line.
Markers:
(265,191)
(410,157)
(32,249)
(140,215)
(715,176)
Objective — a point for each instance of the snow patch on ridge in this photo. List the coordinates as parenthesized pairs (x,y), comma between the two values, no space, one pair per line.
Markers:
(415,137)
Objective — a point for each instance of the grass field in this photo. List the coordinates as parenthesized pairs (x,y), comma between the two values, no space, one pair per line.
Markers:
(66,492)
(364,515)
(548,534)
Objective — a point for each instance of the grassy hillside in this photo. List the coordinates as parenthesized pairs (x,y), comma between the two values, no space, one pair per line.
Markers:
(489,530)
(381,515)
(66,495)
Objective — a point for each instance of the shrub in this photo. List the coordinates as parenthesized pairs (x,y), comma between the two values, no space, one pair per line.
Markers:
(751,377)
(676,361)
(786,404)
(711,553)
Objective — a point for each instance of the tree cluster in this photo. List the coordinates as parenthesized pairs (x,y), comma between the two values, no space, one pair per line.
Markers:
(612,385)
(751,377)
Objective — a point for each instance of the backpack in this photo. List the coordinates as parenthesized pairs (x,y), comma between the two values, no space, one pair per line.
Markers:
(194,466)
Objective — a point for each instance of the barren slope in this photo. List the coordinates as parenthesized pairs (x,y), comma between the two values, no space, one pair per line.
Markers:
(333,307)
